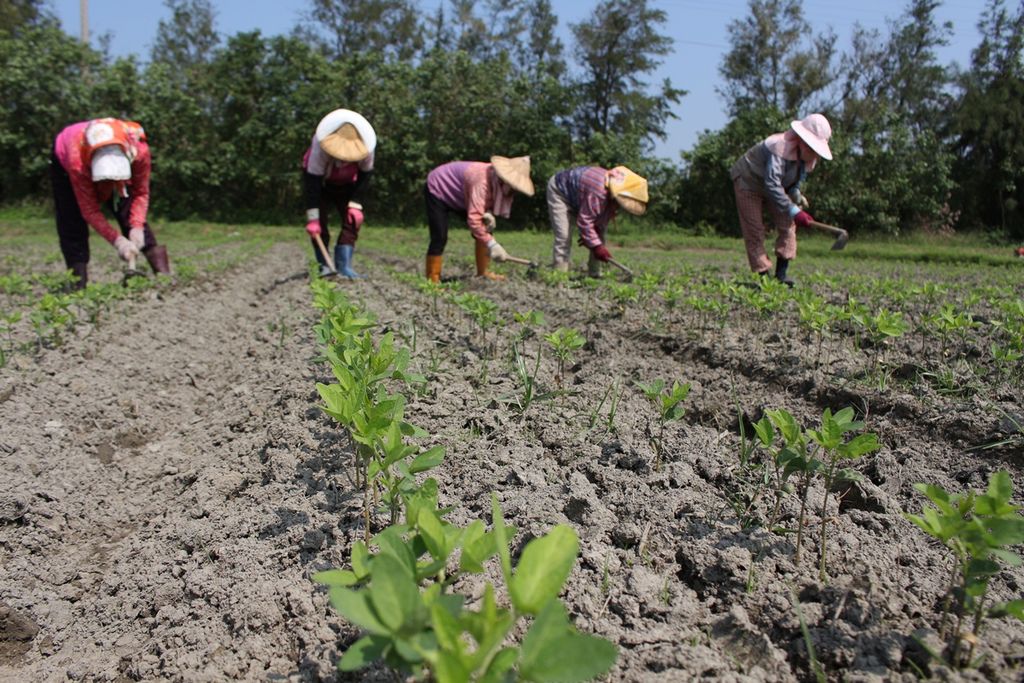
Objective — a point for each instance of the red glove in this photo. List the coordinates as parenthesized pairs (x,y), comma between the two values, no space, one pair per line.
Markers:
(354,217)
(313,228)
(803,219)
(601,253)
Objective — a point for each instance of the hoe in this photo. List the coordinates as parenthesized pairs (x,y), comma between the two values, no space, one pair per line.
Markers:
(131,272)
(327,257)
(842,237)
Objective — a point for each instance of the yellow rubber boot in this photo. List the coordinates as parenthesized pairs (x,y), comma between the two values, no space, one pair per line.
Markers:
(433,269)
(483,263)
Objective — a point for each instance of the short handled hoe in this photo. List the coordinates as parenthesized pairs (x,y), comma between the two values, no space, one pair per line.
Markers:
(323,252)
(842,237)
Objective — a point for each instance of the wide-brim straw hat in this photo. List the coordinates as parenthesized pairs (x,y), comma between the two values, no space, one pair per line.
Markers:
(815,130)
(629,190)
(346,135)
(515,172)
(110,163)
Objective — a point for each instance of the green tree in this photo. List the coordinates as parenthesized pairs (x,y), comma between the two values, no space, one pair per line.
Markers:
(16,15)
(35,108)
(618,45)
(389,27)
(774,60)
(188,40)
(988,125)
(900,74)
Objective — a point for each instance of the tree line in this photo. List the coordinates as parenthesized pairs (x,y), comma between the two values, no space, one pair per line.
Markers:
(918,144)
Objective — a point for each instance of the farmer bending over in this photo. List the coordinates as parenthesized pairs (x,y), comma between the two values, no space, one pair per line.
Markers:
(773,170)
(472,189)
(336,170)
(585,194)
(96,162)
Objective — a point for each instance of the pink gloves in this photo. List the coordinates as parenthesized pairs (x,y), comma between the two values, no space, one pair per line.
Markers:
(125,249)
(313,227)
(601,253)
(354,217)
(803,219)
(137,236)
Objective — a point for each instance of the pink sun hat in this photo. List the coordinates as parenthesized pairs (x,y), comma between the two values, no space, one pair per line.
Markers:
(815,130)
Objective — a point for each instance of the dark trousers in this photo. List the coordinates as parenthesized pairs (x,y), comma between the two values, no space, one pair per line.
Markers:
(72,230)
(337,196)
(437,219)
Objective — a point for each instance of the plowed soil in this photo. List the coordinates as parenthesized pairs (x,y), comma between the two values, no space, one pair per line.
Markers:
(170,485)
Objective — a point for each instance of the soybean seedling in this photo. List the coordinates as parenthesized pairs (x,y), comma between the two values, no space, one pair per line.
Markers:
(668,403)
(830,439)
(979,529)
(564,341)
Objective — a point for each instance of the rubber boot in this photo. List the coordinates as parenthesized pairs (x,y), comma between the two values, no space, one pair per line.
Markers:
(561,266)
(593,266)
(343,261)
(433,269)
(781,265)
(80,273)
(157,257)
(483,263)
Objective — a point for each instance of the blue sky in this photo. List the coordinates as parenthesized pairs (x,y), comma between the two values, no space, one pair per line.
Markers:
(699,28)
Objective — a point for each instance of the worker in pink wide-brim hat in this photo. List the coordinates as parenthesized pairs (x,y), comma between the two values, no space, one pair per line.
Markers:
(96,163)
(771,171)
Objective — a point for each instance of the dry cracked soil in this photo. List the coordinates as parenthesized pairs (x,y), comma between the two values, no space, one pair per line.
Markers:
(170,485)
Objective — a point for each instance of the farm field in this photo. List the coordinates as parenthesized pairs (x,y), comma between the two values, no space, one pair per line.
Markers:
(172,483)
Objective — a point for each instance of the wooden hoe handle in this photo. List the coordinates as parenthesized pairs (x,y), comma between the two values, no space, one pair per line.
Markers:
(323,251)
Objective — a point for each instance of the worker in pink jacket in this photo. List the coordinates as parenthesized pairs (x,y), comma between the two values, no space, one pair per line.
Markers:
(769,174)
(477,191)
(103,161)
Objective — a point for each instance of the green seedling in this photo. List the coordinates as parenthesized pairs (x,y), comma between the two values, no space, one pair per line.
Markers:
(429,633)
(979,529)
(669,404)
(831,438)
(15,285)
(624,295)
(564,341)
(671,295)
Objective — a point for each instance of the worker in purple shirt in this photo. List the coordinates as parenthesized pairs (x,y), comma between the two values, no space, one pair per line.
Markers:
(590,195)
(335,171)
(476,191)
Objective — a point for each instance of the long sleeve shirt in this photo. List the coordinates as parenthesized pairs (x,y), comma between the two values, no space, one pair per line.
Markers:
(466,186)
(320,168)
(774,177)
(586,192)
(91,196)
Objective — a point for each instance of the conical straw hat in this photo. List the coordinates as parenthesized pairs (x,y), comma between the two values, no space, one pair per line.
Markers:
(515,172)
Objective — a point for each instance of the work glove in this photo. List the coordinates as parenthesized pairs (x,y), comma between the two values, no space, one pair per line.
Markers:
(601,253)
(137,236)
(489,222)
(354,217)
(804,203)
(496,251)
(313,228)
(125,249)
(803,219)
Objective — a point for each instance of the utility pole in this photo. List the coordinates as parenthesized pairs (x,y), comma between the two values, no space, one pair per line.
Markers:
(83,7)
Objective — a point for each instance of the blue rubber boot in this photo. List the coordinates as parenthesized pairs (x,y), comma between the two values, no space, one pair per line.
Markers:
(343,261)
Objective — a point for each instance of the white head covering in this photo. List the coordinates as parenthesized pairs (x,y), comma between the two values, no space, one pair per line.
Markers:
(110,163)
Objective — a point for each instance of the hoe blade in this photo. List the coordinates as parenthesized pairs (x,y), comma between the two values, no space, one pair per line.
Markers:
(841,241)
